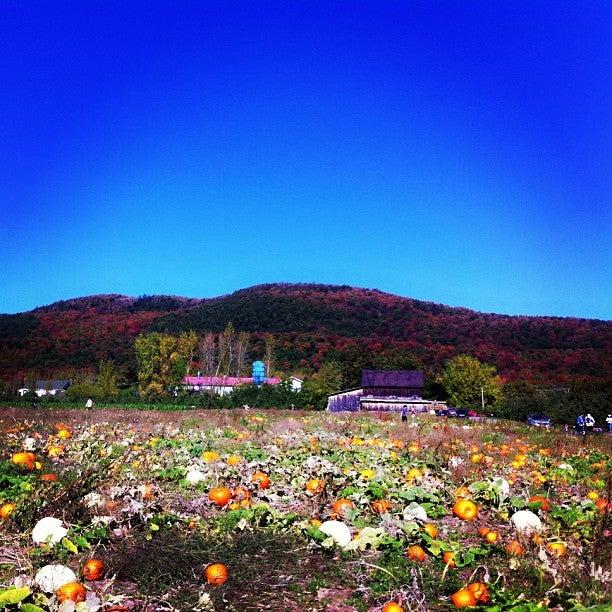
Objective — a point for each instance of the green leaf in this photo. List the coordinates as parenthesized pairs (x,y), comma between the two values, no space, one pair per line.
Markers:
(517,502)
(13,595)
(82,542)
(68,545)
(30,607)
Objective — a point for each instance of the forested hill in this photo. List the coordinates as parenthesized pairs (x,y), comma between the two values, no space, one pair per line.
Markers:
(311,323)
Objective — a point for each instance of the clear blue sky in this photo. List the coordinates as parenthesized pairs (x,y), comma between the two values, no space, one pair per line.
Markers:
(453,152)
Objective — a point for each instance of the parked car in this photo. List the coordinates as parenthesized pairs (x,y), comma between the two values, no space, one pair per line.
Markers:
(462,413)
(538,420)
(451,412)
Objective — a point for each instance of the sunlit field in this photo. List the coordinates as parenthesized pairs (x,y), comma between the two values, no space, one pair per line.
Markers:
(267,510)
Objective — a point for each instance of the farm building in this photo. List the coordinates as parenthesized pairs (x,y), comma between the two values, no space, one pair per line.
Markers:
(387,390)
(224,385)
(47,387)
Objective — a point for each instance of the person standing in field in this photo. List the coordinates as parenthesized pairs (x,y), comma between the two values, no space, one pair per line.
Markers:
(580,424)
(609,422)
(89,404)
(404,414)
(589,421)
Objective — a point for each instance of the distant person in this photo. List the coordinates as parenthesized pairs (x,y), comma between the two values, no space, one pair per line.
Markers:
(412,412)
(404,414)
(589,423)
(89,404)
(580,424)
(609,422)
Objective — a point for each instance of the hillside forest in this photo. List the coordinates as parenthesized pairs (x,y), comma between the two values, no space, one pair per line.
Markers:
(323,334)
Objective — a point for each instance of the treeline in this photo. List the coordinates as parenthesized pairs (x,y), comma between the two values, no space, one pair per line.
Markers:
(464,381)
(311,325)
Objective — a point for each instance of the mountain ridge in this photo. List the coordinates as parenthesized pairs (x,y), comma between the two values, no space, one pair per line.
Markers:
(264,286)
(312,323)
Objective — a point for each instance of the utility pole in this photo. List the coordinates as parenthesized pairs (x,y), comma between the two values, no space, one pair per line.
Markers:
(482,397)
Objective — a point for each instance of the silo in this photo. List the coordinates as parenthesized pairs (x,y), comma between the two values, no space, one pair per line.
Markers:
(259,372)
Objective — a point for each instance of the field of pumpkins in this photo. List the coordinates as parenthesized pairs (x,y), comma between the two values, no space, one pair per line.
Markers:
(242,510)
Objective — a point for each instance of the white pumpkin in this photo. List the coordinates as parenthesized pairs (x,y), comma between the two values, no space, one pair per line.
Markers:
(29,444)
(502,485)
(51,577)
(526,522)
(414,512)
(194,476)
(338,531)
(455,462)
(48,530)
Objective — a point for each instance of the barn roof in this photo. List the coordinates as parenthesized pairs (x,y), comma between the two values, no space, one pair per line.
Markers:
(53,385)
(392,378)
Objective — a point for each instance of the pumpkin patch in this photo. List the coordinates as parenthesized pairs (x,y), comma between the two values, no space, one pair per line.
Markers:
(325,509)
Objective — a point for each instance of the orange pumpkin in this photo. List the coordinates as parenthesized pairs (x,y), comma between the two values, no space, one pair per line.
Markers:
(391,606)
(449,559)
(261,479)
(241,493)
(465,509)
(341,506)
(315,486)
(216,574)
(220,496)
(463,598)
(64,434)
(543,501)
(557,548)
(380,506)
(491,537)
(210,456)
(26,460)
(55,451)
(416,553)
(6,510)
(515,549)
(71,591)
(414,474)
(49,477)
(480,591)
(93,569)
(431,530)
(482,532)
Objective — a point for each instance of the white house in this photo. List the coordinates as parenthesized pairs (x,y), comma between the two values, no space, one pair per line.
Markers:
(47,387)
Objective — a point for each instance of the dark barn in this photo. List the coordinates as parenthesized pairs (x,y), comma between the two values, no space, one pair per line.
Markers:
(392,383)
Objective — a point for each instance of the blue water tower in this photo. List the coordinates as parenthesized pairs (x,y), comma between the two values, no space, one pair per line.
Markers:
(259,372)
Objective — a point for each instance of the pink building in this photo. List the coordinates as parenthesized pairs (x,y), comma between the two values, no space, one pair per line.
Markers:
(224,385)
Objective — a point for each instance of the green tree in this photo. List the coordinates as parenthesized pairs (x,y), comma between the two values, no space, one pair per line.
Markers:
(157,357)
(107,379)
(465,379)
(187,346)
(316,389)
(269,353)
(82,390)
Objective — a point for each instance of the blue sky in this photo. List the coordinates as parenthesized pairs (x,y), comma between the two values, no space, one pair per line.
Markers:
(453,152)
